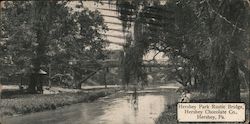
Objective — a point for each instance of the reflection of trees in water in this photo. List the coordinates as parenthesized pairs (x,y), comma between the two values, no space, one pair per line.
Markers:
(135,100)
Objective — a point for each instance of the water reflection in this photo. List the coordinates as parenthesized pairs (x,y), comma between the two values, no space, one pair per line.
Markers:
(131,110)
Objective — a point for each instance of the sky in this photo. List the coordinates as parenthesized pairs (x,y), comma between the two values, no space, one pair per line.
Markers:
(95,6)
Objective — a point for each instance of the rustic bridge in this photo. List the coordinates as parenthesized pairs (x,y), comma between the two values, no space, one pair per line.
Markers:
(116,63)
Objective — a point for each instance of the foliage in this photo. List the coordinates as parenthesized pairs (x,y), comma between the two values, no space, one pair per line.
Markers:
(52,36)
(205,39)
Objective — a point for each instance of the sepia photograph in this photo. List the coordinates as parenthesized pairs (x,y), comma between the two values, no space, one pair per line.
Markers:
(125,61)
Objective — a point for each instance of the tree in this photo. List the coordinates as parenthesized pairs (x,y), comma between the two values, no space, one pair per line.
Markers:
(208,35)
(17,36)
(225,22)
(82,44)
(45,34)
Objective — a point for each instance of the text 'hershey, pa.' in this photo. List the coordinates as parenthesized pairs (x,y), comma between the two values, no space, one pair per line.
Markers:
(211,112)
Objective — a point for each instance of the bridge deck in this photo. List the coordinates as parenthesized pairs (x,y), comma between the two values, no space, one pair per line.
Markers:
(116,63)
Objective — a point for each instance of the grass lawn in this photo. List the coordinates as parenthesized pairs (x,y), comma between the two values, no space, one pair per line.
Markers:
(39,102)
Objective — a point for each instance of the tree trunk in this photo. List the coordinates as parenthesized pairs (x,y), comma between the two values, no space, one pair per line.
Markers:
(233,79)
(42,23)
(33,83)
(230,37)
(229,88)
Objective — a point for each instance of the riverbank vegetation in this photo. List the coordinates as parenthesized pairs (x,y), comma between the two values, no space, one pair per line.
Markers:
(169,115)
(24,104)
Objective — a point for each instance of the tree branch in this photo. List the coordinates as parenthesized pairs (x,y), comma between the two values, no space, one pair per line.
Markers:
(224,18)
